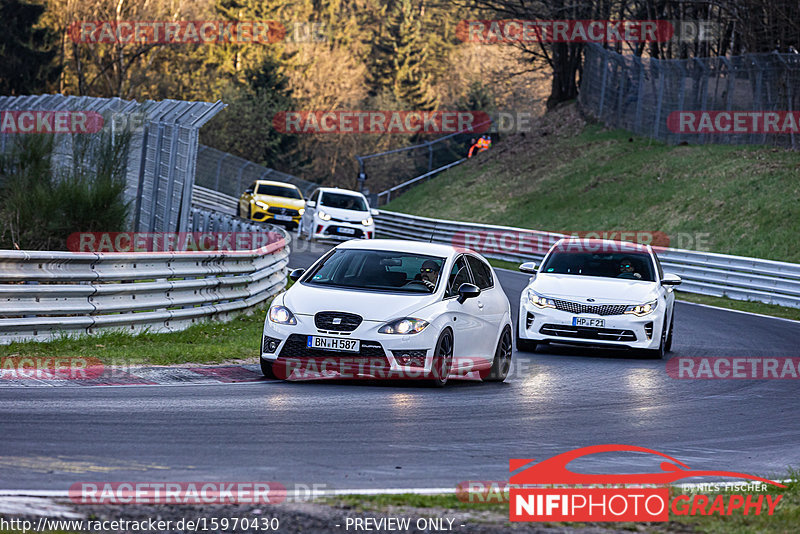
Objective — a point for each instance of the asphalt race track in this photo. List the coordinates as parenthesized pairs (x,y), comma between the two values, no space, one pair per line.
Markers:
(366,435)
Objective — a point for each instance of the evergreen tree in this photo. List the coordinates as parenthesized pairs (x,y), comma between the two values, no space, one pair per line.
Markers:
(407,53)
(27,52)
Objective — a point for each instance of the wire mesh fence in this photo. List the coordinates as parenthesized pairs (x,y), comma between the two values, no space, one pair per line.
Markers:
(229,174)
(162,152)
(752,99)
(388,171)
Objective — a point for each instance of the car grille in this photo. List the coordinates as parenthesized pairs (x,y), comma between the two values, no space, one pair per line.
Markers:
(370,359)
(599,309)
(283,211)
(587,332)
(337,321)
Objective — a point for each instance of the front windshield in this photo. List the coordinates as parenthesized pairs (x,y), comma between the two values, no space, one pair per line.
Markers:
(624,265)
(344,202)
(378,271)
(278,191)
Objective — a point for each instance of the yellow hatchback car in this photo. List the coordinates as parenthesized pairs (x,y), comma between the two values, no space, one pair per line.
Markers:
(274,202)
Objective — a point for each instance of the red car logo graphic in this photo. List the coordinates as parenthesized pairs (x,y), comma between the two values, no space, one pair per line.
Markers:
(554,470)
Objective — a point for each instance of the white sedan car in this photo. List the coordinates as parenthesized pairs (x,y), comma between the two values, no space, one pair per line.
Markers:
(339,214)
(390,309)
(598,292)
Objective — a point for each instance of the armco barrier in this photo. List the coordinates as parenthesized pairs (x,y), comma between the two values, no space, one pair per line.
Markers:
(214,200)
(46,294)
(721,275)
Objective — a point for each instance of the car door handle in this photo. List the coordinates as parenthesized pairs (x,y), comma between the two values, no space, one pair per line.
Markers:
(480,304)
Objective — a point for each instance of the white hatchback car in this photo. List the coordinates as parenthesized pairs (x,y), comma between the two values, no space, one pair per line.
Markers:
(598,292)
(333,213)
(390,309)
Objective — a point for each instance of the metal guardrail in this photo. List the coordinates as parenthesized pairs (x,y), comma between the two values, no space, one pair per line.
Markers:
(214,200)
(411,164)
(388,193)
(704,273)
(48,294)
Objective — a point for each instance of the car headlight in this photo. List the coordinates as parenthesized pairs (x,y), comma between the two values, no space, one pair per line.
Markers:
(640,310)
(301,211)
(539,301)
(281,315)
(409,325)
(262,205)
(368,221)
(324,216)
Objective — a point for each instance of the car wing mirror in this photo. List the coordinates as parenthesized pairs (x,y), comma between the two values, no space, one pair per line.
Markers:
(467,291)
(311,204)
(249,190)
(528,267)
(671,280)
(295,274)
(374,213)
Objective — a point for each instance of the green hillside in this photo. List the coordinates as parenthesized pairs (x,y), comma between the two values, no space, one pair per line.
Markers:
(569,176)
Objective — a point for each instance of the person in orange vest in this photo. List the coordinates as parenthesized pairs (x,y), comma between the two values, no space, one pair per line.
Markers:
(484,143)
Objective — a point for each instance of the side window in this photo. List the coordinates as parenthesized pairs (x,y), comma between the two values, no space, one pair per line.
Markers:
(481,273)
(315,196)
(252,187)
(459,274)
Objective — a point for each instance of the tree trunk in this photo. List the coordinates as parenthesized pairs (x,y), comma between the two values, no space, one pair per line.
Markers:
(566,60)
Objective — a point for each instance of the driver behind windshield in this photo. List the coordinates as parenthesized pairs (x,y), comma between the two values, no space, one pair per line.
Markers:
(626,270)
(429,273)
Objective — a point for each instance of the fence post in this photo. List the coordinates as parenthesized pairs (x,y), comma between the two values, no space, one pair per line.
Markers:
(156,179)
(682,92)
(603,84)
(219,171)
(239,178)
(430,157)
(171,178)
(659,99)
(758,104)
(637,122)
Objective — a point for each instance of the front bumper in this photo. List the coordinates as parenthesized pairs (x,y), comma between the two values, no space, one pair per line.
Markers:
(342,230)
(377,358)
(551,325)
(262,215)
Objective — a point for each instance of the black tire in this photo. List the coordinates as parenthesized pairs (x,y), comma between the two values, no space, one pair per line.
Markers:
(442,360)
(249,212)
(668,347)
(658,354)
(238,210)
(525,345)
(266,368)
(502,358)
